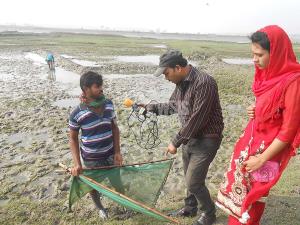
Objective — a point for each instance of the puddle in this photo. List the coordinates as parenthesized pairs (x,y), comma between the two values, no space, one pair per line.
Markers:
(75,91)
(159,46)
(64,76)
(68,79)
(4,202)
(37,59)
(5,57)
(125,76)
(9,44)
(6,76)
(152,59)
(85,63)
(238,61)
(67,56)
(66,103)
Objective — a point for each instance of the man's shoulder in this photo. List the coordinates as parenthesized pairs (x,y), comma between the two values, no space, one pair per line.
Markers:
(202,77)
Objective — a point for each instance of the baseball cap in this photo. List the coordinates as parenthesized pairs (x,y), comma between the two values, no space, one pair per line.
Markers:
(168,59)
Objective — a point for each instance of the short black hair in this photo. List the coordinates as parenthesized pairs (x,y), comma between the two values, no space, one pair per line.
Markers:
(181,62)
(89,78)
(262,39)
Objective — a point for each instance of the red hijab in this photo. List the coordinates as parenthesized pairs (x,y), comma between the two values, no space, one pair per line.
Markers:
(283,63)
(283,68)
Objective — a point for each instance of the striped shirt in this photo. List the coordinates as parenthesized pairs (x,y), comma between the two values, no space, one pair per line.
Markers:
(196,100)
(96,140)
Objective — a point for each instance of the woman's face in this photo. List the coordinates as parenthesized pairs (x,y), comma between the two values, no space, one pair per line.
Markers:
(261,57)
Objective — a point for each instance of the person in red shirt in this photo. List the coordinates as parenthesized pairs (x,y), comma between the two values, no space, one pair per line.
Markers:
(273,132)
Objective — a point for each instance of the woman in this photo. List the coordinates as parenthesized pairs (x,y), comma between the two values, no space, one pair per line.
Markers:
(273,132)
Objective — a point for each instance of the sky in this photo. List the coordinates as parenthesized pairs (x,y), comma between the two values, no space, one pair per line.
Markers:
(179,16)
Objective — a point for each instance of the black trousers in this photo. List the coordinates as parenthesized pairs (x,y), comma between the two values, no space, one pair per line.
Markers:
(197,155)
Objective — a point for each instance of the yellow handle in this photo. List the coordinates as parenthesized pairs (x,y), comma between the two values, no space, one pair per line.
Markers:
(128,102)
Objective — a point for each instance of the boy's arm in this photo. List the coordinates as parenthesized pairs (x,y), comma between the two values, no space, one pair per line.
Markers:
(74,146)
(116,141)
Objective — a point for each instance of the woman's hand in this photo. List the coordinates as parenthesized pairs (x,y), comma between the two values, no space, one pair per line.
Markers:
(253,163)
(251,111)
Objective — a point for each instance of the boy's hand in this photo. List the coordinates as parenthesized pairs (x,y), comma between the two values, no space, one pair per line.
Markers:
(76,170)
(118,159)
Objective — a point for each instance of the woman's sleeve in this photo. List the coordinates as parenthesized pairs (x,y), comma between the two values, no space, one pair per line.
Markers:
(291,113)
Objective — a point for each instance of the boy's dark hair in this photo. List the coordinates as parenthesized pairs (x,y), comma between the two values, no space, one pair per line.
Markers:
(262,39)
(89,78)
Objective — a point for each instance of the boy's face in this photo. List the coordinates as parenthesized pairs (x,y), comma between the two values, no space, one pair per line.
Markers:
(95,91)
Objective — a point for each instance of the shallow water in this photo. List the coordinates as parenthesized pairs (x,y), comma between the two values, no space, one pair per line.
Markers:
(159,46)
(152,59)
(126,76)
(67,56)
(35,58)
(238,61)
(66,103)
(6,76)
(64,76)
(85,63)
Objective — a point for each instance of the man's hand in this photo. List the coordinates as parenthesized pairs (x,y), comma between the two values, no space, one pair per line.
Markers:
(76,170)
(171,149)
(253,163)
(251,111)
(118,159)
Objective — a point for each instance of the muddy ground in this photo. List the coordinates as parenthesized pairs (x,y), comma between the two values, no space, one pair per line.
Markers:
(34,110)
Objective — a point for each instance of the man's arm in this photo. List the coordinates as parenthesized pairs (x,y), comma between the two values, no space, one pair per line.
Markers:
(164,108)
(74,146)
(116,141)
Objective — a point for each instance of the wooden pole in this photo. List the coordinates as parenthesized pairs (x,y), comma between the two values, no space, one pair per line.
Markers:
(121,195)
(116,166)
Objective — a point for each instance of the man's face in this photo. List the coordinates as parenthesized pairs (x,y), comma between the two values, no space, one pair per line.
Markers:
(95,91)
(173,74)
(261,57)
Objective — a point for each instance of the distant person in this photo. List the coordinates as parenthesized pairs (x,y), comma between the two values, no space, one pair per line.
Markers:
(273,133)
(50,61)
(99,144)
(196,100)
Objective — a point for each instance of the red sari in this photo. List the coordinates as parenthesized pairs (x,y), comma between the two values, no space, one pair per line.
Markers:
(240,195)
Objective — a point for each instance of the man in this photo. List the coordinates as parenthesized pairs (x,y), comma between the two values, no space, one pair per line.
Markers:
(50,61)
(196,101)
(100,135)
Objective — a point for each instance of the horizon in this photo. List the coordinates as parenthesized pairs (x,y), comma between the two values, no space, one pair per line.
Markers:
(231,17)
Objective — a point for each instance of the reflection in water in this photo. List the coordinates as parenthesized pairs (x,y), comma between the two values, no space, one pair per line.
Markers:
(52,75)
